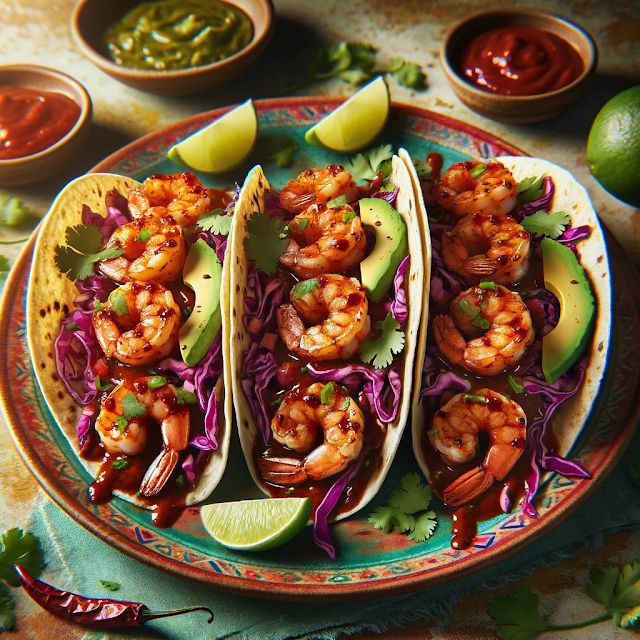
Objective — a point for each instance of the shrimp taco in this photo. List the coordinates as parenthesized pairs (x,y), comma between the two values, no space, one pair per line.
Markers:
(327,286)
(519,327)
(127,327)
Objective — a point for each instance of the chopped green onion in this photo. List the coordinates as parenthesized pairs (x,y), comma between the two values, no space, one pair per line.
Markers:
(480,322)
(337,202)
(144,235)
(350,215)
(465,307)
(327,393)
(303,369)
(156,382)
(470,397)
(97,305)
(74,326)
(303,223)
(185,397)
(515,384)
(488,285)
(477,171)
(344,405)
(120,463)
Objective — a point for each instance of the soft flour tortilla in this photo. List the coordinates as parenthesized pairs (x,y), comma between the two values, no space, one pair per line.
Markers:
(252,200)
(50,298)
(572,197)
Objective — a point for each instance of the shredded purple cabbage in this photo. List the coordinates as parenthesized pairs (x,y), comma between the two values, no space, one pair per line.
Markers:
(555,395)
(573,235)
(376,384)
(117,214)
(321,531)
(544,308)
(541,204)
(398,306)
(436,382)
(93,288)
(258,369)
(389,196)
(189,469)
(217,241)
(84,424)
(76,351)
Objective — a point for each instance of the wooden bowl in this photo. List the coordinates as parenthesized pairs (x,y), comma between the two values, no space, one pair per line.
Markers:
(43,164)
(510,108)
(91,18)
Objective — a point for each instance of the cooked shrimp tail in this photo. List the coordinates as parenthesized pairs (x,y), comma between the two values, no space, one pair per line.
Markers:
(159,472)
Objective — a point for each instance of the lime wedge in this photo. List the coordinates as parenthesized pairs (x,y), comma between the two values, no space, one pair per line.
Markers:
(354,124)
(256,525)
(221,145)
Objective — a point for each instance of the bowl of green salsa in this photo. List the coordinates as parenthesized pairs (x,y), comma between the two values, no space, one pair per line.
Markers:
(172,47)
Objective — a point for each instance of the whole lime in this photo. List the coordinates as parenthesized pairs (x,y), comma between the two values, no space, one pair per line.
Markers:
(613,147)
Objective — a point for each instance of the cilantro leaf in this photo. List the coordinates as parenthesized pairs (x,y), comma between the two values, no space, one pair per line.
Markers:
(546,224)
(380,351)
(425,525)
(83,249)
(4,266)
(286,152)
(266,241)
(516,615)
(413,496)
(617,589)
(355,76)
(387,519)
(364,166)
(408,74)
(118,302)
(328,393)
(23,549)
(110,586)
(13,211)
(131,408)
(350,61)
(530,188)
(216,223)
(7,609)
(302,288)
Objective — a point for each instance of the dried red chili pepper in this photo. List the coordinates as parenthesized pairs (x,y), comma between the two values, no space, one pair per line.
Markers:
(99,613)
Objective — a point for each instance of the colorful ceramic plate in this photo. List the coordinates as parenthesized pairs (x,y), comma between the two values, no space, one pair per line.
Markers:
(369,562)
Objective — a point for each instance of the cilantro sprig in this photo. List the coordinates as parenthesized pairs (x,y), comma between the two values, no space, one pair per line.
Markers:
(407,510)
(109,585)
(216,223)
(542,223)
(355,63)
(365,166)
(380,351)
(13,211)
(266,241)
(617,589)
(76,259)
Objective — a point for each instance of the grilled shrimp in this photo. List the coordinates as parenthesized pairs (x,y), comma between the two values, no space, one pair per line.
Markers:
(154,249)
(336,306)
(180,195)
(317,186)
(129,436)
(499,324)
(324,241)
(138,324)
(454,434)
(474,187)
(300,420)
(481,246)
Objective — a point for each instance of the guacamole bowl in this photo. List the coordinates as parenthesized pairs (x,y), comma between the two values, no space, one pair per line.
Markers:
(91,19)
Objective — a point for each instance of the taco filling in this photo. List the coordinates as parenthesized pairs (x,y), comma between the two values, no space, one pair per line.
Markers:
(326,370)
(495,372)
(142,349)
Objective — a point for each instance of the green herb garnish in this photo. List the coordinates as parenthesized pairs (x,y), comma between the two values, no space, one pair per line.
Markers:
(302,288)
(365,166)
(542,223)
(302,224)
(118,302)
(488,285)
(478,170)
(344,404)
(82,250)
(97,305)
(515,384)
(72,326)
(120,463)
(480,322)
(347,217)
(155,382)
(101,384)
(422,168)
(380,351)
(17,547)
(530,189)
(110,586)
(144,235)
(13,211)
(121,423)
(215,222)
(266,241)
(471,397)
(185,397)
(131,408)
(327,394)
(337,202)
(7,609)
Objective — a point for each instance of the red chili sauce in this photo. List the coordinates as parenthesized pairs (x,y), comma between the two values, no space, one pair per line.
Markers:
(31,120)
(520,61)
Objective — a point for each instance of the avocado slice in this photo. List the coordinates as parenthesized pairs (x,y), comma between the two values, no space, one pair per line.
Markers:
(379,267)
(202,273)
(566,279)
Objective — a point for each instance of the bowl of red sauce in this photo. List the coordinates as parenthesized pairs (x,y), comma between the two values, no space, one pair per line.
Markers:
(44,118)
(518,65)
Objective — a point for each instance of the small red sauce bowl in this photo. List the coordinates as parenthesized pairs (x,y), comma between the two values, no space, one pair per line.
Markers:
(515,108)
(43,164)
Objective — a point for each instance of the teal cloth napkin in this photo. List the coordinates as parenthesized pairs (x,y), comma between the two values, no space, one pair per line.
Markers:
(78,561)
